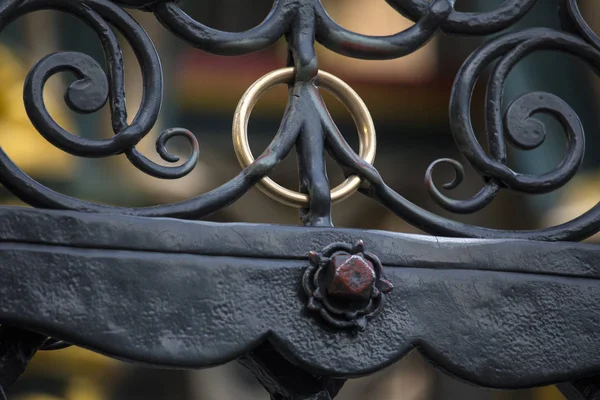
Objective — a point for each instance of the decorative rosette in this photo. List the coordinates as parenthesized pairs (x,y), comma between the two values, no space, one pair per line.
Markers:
(345,285)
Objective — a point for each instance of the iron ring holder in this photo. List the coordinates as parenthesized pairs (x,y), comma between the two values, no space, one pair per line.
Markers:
(304,307)
(344,93)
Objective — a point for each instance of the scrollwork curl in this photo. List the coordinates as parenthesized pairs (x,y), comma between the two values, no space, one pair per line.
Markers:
(97,14)
(142,163)
(517,124)
(93,87)
(479,201)
(523,131)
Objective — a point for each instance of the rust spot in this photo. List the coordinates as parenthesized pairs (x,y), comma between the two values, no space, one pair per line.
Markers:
(350,276)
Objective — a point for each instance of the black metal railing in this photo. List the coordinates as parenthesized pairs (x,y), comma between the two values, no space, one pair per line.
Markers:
(341,282)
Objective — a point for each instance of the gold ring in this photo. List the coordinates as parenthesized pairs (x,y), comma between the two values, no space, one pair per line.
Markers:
(347,96)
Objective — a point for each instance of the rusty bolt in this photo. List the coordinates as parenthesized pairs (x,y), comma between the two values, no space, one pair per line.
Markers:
(350,276)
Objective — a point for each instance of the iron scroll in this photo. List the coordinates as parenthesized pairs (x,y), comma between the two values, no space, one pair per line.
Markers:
(318,291)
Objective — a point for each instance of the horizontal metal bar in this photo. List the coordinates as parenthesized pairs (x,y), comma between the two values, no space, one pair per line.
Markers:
(156,291)
(165,235)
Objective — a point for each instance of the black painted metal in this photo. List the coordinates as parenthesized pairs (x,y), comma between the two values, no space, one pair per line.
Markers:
(505,309)
(493,312)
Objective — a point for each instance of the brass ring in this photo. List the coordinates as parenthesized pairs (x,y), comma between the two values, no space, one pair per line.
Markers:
(343,92)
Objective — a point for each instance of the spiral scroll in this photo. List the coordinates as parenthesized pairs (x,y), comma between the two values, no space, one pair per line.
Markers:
(302,23)
(522,129)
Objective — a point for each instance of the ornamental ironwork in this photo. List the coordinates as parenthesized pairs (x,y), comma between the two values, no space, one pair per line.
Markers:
(85,253)
(345,285)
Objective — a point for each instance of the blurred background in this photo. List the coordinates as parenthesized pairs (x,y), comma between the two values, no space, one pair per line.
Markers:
(408,99)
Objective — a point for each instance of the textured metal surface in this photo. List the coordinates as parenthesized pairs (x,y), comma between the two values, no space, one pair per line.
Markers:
(498,313)
(345,285)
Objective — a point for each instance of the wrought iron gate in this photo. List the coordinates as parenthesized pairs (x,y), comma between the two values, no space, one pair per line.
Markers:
(304,308)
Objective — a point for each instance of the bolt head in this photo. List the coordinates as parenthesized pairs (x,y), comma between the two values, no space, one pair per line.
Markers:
(351,276)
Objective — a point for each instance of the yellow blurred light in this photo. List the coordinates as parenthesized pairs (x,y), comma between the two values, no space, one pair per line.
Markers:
(18,138)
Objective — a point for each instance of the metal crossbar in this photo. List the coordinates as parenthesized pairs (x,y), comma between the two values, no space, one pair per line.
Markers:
(499,308)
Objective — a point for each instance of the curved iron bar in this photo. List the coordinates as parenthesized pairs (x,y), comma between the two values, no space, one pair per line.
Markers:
(572,19)
(522,129)
(352,44)
(579,228)
(303,23)
(38,195)
(475,203)
(482,23)
(215,41)
(90,91)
